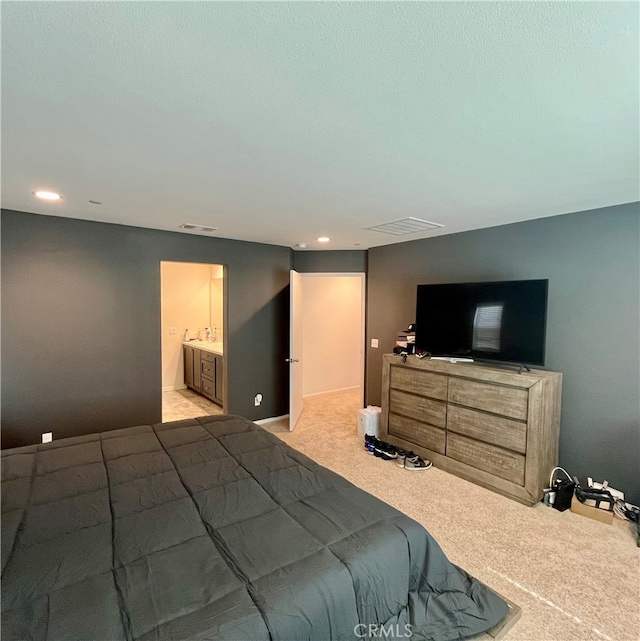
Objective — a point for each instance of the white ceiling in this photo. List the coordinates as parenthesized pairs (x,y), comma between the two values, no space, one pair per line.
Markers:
(280,122)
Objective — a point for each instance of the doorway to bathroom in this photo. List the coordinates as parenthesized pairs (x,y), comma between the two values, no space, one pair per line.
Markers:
(192,325)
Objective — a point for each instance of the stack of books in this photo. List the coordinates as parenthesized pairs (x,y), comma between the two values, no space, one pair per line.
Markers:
(406,341)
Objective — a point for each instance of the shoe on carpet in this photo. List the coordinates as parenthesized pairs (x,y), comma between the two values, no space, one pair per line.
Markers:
(385,451)
(370,447)
(389,454)
(370,443)
(403,456)
(416,463)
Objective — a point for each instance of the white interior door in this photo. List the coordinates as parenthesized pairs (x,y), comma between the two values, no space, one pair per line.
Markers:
(295,350)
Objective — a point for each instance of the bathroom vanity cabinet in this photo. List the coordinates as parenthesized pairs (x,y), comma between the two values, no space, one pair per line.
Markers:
(204,370)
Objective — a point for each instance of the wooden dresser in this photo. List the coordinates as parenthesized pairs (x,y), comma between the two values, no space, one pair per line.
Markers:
(495,427)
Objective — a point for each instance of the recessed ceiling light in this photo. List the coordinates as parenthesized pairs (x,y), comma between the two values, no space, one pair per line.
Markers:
(301,245)
(47,195)
(323,239)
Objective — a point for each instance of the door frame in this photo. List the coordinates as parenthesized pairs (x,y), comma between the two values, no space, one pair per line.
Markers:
(363,297)
(225,322)
(296,345)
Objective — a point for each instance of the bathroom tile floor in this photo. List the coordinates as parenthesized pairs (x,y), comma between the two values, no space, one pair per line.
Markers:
(185,403)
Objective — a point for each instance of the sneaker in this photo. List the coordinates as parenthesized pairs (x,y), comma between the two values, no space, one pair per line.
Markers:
(417,463)
(403,456)
(385,451)
(370,445)
(389,453)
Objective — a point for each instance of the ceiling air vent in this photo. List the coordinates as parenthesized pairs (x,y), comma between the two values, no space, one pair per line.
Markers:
(405,226)
(192,227)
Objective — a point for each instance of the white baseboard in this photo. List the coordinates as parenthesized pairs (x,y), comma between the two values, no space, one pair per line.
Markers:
(173,388)
(331,391)
(273,419)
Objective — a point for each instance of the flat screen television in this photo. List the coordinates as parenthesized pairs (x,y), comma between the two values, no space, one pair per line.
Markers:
(498,321)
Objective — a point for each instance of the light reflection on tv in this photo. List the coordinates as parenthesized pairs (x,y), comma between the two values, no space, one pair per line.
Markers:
(487,327)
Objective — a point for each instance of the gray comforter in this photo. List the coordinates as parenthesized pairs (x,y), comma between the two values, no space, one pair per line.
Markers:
(214,529)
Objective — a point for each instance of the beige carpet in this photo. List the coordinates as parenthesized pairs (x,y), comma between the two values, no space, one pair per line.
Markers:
(574,578)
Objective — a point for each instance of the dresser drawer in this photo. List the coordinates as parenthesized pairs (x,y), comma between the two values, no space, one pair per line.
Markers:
(503,463)
(489,428)
(207,388)
(207,356)
(419,382)
(418,433)
(422,409)
(507,401)
(209,370)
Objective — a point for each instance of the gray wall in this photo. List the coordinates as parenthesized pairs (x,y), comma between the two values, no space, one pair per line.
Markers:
(81,324)
(81,320)
(309,262)
(592,262)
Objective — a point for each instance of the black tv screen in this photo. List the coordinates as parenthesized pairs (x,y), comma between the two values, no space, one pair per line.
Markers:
(499,321)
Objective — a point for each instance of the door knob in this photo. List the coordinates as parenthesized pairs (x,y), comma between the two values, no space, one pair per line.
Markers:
(292,360)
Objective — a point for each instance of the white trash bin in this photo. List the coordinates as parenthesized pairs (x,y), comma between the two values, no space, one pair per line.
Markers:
(369,421)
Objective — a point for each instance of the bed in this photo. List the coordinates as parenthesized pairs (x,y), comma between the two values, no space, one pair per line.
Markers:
(215,529)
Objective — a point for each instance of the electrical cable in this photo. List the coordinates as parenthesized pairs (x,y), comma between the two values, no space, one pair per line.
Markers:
(554,470)
(621,509)
(625,511)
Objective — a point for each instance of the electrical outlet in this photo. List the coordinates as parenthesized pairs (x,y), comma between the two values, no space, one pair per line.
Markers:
(172,330)
(47,437)
(258,399)
(374,342)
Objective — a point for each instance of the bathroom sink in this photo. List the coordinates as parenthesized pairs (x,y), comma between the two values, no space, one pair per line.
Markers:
(207,346)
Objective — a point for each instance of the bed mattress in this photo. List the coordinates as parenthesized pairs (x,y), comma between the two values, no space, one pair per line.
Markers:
(215,529)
